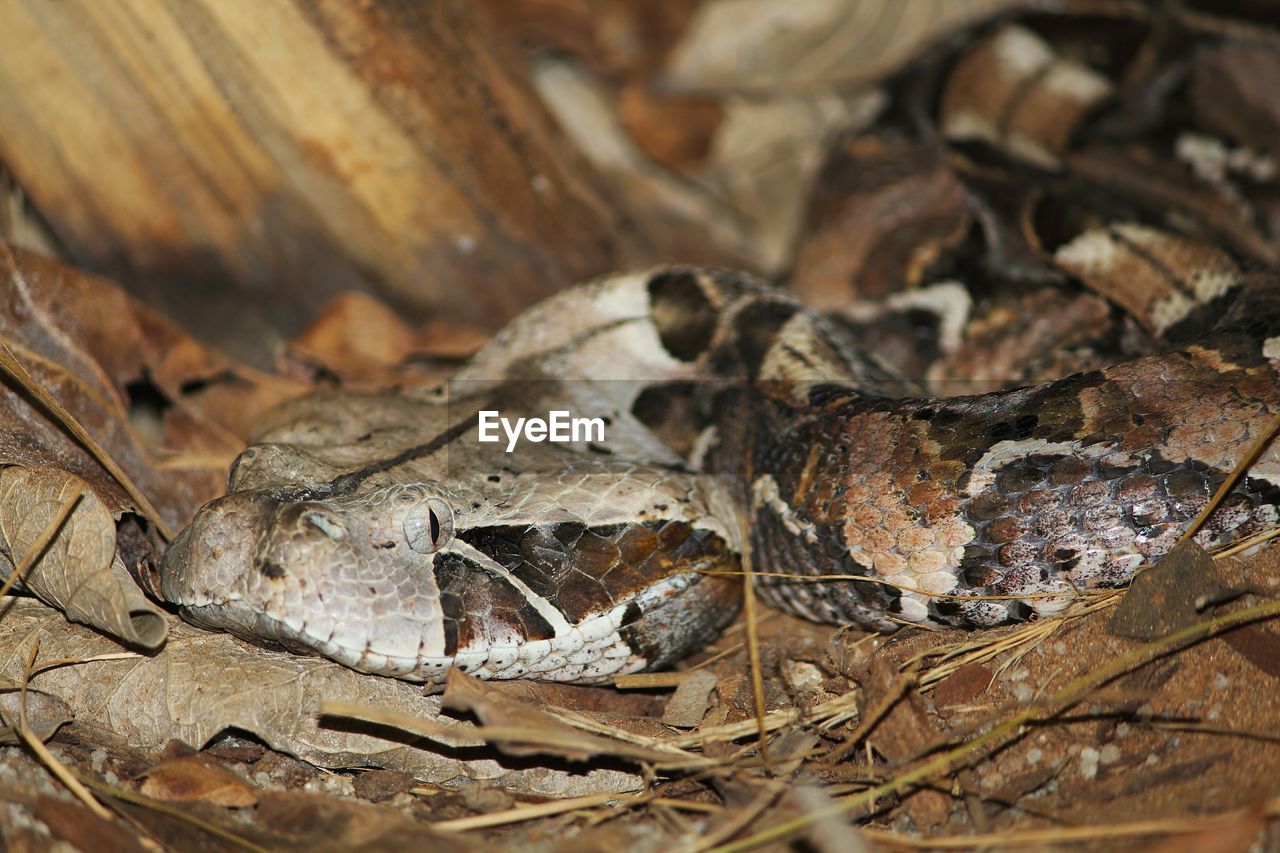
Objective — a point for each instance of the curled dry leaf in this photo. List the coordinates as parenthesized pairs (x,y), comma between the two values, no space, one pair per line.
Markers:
(102,355)
(79,571)
(201,683)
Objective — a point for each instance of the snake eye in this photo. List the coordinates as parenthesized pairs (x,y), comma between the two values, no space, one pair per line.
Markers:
(327,523)
(430,527)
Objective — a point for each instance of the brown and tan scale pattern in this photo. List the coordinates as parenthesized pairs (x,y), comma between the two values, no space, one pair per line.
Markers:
(1032,493)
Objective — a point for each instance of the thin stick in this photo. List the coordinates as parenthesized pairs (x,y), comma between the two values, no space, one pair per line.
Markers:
(526,812)
(753,657)
(1246,461)
(56,767)
(1028,837)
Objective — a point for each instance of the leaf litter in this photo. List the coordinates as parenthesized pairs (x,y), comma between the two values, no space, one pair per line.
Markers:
(1053,733)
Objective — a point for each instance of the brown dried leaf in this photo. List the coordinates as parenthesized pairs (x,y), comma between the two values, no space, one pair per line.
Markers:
(1168,596)
(963,686)
(689,703)
(201,683)
(299,821)
(675,131)
(191,778)
(45,713)
(74,824)
(78,572)
(1013,91)
(904,733)
(546,733)
(363,343)
(99,353)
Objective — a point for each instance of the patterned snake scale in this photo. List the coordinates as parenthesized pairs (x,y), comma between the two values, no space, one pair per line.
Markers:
(375,529)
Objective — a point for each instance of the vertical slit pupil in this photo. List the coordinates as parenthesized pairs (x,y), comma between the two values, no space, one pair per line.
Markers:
(435,526)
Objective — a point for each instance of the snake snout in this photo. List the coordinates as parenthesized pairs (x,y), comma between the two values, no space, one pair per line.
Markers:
(207,561)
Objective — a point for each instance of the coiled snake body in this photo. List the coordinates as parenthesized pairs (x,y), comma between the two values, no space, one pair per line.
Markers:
(378,531)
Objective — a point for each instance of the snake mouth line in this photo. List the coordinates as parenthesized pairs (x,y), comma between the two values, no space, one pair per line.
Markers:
(592,651)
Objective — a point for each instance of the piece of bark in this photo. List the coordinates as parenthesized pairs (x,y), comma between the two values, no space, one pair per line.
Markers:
(264,157)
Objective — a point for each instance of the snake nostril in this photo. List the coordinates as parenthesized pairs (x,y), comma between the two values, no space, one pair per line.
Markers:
(327,523)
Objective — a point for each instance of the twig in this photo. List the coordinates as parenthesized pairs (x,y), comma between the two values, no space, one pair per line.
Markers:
(56,767)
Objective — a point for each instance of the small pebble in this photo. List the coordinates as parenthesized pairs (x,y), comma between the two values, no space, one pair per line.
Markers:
(1023,692)
(1221,682)
(1109,754)
(1122,730)
(1088,762)
(1152,759)
(111,778)
(98,760)
(1215,713)
(1034,756)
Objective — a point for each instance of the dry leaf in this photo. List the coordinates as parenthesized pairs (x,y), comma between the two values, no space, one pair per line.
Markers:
(198,778)
(201,683)
(690,700)
(546,733)
(79,572)
(71,822)
(45,713)
(1232,91)
(363,343)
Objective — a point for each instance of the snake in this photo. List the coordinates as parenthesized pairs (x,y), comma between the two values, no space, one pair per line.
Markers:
(744,432)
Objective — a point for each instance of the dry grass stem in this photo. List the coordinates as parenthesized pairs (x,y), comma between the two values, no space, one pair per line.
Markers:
(56,767)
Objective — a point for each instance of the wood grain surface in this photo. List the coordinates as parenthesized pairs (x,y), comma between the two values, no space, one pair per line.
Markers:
(238,163)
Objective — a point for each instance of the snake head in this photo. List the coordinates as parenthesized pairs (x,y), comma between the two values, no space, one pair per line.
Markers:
(410,581)
(351,578)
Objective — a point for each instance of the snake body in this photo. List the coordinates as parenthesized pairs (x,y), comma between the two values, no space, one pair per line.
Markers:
(376,529)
